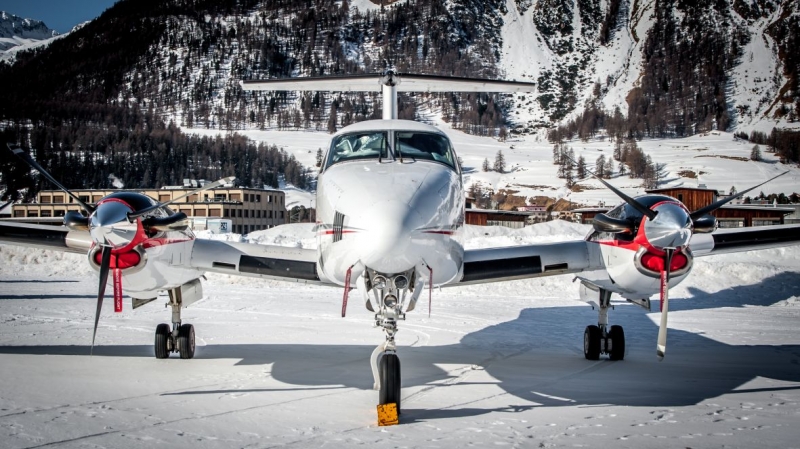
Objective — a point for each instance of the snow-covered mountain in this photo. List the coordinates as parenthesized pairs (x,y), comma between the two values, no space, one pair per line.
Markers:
(17,34)
(640,57)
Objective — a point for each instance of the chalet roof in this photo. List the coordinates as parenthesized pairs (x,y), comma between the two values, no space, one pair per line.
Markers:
(665,189)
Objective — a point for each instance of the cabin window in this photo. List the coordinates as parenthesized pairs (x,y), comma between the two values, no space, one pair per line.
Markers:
(766,221)
(680,197)
(46,213)
(358,146)
(424,146)
(58,198)
(731,222)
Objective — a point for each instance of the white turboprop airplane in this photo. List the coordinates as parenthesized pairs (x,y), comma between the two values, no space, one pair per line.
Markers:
(390,211)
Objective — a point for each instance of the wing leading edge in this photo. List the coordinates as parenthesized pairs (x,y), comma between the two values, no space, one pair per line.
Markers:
(58,238)
(529,261)
(253,260)
(725,241)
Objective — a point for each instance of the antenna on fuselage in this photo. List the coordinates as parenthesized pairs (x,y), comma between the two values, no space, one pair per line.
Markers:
(389,83)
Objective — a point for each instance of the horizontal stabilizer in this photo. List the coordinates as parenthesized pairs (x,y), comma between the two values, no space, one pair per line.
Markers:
(403,83)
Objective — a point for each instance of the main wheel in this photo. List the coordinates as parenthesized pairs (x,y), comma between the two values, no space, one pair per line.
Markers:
(390,380)
(186,341)
(617,337)
(163,334)
(591,342)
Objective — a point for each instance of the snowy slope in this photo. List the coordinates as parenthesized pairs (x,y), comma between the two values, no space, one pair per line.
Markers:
(18,34)
(494,365)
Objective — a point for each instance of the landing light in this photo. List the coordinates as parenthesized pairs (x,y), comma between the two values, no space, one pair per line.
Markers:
(390,301)
(379,282)
(400,282)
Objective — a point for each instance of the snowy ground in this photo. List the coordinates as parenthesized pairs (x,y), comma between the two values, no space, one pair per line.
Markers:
(497,365)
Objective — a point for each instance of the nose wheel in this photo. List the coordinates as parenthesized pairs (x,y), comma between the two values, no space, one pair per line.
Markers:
(390,380)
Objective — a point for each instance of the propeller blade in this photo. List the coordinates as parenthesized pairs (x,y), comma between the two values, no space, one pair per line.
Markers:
(661,346)
(139,213)
(29,160)
(716,205)
(644,210)
(101,291)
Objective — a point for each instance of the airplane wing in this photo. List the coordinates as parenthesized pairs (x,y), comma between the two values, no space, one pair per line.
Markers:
(58,238)
(723,241)
(255,260)
(240,259)
(529,261)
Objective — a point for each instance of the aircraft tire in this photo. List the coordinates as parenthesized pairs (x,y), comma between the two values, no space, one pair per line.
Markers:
(591,342)
(186,341)
(617,337)
(162,341)
(390,380)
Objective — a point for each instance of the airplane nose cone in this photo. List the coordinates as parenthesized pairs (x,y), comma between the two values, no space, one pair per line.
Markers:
(109,225)
(671,228)
(387,236)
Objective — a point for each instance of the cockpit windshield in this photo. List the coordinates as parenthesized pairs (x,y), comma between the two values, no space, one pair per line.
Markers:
(351,147)
(424,146)
(406,146)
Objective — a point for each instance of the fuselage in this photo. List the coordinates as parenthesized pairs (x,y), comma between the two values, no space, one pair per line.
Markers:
(390,198)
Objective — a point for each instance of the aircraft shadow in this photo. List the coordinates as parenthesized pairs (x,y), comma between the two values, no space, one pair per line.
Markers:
(39,296)
(535,359)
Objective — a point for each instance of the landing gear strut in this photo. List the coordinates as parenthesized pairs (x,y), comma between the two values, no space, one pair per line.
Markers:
(600,339)
(387,372)
(180,338)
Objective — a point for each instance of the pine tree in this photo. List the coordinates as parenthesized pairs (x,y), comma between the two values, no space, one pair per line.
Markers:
(319,157)
(485,166)
(755,153)
(581,170)
(600,167)
(499,162)
(569,179)
(608,168)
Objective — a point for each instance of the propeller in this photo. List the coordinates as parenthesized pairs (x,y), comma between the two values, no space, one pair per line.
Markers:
(20,153)
(101,290)
(220,182)
(699,213)
(661,344)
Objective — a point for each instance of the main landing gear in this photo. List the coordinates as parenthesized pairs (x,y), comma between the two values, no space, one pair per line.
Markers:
(600,339)
(180,338)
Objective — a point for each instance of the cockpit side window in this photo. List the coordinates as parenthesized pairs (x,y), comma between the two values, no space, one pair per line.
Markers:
(356,146)
(424,146)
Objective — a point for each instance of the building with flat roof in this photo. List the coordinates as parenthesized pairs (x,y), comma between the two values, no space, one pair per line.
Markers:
(248,209)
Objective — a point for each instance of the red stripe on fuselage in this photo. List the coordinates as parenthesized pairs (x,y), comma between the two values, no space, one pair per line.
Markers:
(161,241)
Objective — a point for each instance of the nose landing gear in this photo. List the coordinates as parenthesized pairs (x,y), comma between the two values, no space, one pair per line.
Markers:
(390,293)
